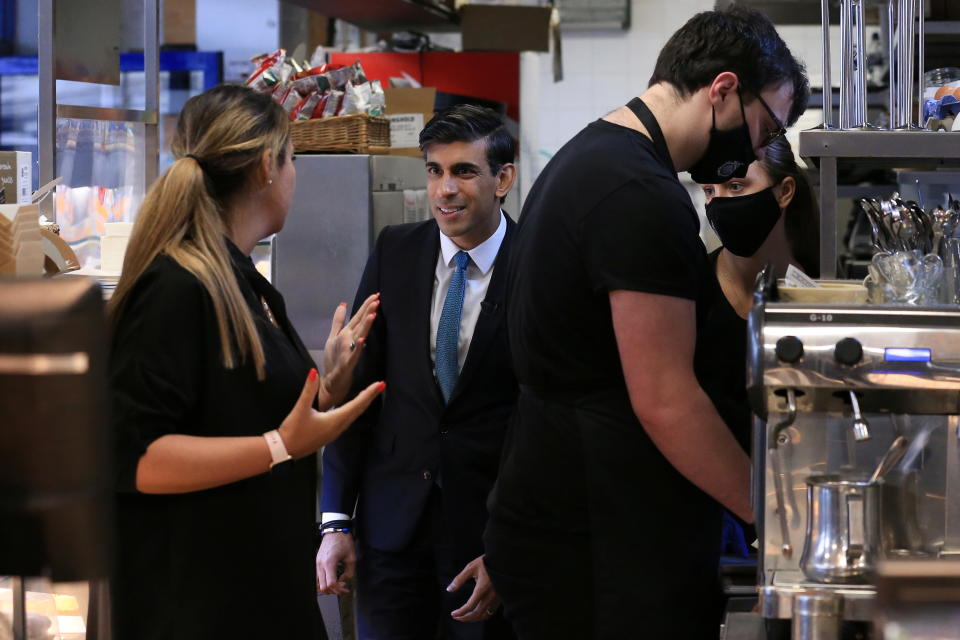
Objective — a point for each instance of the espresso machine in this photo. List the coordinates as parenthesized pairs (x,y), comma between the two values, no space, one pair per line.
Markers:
(856,455)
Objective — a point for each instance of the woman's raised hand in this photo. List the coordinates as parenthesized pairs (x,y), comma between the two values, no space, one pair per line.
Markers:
(341,352)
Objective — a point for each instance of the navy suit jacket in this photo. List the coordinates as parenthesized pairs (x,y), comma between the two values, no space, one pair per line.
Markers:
(388,461)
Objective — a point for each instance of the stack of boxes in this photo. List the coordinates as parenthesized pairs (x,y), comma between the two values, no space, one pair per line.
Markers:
(21,247)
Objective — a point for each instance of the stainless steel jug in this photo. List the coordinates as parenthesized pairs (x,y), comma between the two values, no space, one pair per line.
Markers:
(900,532)
(843,518)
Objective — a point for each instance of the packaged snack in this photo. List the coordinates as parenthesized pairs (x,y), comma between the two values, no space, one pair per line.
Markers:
(334,100)
(286,72)
(258,58)
(378,100)
(356,98)
(339,77)
(313,82)
(304,109)
(321,105)
(291,101)
(319,56)
(267,74)
(323,78)
(287,97)
(359,77)
(317,70)
(281,92)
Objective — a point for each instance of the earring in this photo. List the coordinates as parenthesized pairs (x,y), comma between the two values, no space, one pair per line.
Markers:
(269,181)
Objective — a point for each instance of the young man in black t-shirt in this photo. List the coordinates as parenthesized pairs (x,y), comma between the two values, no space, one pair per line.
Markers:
(605,520)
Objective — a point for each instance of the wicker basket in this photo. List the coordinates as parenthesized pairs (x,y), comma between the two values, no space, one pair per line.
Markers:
(356,133)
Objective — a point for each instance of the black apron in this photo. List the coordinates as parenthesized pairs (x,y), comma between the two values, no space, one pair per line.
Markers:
(647,532)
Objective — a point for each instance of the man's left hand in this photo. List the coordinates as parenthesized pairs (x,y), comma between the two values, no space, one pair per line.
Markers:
(483,602)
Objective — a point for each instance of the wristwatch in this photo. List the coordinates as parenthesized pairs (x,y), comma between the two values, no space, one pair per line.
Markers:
(278,451)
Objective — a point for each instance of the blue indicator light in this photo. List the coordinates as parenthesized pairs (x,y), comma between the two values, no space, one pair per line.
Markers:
(896,354)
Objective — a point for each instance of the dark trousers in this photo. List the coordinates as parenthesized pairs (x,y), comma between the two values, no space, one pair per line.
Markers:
(401,595)
(545,583)
(551,591)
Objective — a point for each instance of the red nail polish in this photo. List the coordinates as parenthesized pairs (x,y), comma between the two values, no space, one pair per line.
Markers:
(313,375)
(381,386)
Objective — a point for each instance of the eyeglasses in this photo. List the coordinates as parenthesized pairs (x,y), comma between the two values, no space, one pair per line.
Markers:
(776,133)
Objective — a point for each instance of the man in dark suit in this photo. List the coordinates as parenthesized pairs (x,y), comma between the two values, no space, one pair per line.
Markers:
(417,467)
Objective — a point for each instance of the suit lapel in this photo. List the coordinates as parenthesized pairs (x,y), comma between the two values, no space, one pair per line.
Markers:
(491,313)
(425,272)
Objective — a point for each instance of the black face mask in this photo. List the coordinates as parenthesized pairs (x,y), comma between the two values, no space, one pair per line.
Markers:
(744,222)
(728,153)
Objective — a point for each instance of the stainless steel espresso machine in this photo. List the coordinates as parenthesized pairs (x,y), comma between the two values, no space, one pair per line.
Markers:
(856,454)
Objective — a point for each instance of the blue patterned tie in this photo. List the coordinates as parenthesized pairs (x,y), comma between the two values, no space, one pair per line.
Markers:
(448,329)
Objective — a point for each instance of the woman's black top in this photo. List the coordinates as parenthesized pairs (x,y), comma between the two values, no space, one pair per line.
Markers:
(607,213)
(236,561)
(724,373)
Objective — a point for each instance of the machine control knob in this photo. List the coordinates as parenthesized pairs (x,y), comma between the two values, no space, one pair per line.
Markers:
(789,349)
(848,351)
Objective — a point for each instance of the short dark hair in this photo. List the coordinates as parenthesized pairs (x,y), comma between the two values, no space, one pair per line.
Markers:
(467,123)
(802,217)
(736,39)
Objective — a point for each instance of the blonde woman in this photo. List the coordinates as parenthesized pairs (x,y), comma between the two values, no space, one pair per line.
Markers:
(218,407)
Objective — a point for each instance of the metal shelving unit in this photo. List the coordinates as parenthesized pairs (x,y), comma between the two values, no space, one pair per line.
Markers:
(943,27)
(894,149)
(49,109)
(876,98)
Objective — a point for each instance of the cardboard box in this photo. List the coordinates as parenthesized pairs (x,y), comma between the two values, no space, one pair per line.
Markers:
(16,177)
(505,28)
(408,111)
(180,22)
(21,243)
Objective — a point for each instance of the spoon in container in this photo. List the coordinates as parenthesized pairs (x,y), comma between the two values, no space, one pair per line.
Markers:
(890,458)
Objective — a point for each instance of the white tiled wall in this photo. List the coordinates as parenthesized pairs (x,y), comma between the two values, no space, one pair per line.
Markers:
(805,41)
(604,69)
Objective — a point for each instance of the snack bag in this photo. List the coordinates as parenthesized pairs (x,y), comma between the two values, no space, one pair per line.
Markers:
(334,100)
(304,109)
(315,79)
(280,93)
(339,77)
(287,97)
(267,75)
(321,105)
(356,98)
(378,100)
(359,77)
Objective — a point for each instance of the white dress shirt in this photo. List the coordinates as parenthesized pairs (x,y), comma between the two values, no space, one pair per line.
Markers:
(479,272)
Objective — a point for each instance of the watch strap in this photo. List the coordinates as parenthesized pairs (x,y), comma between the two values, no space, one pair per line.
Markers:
(278,451)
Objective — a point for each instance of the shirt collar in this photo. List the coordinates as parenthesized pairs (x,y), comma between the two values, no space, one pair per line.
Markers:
(483,255)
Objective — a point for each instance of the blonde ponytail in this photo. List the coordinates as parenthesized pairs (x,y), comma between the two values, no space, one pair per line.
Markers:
(220,139)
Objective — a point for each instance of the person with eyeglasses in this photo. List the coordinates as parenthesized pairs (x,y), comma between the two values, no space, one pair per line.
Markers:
(605,518)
